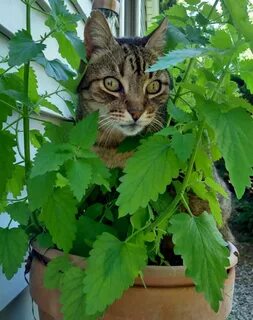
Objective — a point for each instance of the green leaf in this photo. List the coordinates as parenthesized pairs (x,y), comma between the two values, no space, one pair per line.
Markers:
(19,212)
(183,145)
(37,139)
(174,57)
(72,297)
(33,84)
(22,48)
(7,159)
(5,106)
(239,14)
(233,130)
(147,174)
(84,134)
(204,253)
(246,71)
(45,240)
(50,157)
(199,188)
(54,272)
(112,268)
(77,44)
(60,18)
(37,198)
(58,214)
(58,133)
(14,244)
(140,218)
(55,68)
(79,173)
(16,183)
(49,105)
(221,40)
(100,173)
(87,232)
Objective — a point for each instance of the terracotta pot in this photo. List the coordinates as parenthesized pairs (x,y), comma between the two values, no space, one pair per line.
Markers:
(169,294)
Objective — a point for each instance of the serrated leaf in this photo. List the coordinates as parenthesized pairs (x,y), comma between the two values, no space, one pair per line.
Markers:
(49,105)
(199,188)
(67,50)
(6,110)
(16,183)
(176,56)
(37,198)
(55,68)
(50,157)
(44,240)
(79,174)
(72,296)
(84,134)
(58,214)
(112,268)
(22,48)
(233,130)
(246,71)
(183,145)
(58,134)
(19,212)
(204,253)
(87,232)
(13,249)
(239,14)
(33,84)
(216,186)
(7,158)
(221,40)
(61,181)
(147,174)
(77,44)
(54,272)
(100,173)
(140,218)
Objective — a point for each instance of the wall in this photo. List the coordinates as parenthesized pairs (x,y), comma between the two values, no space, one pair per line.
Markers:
(15,302)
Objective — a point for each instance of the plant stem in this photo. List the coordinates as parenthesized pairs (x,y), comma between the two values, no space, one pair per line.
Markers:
(11,124)
(186,76)
(166,215)
(9,105)
(212,9)
(26,123)
(47,36)
(5,71)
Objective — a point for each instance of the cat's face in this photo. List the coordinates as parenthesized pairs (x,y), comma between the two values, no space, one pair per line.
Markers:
(116,83)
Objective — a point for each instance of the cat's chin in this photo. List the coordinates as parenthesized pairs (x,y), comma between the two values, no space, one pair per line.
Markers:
(130,130)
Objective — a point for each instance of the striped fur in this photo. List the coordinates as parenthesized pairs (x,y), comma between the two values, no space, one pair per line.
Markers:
(131,110)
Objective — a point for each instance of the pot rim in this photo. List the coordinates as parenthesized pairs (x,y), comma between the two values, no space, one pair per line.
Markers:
(169,276)
(113,5)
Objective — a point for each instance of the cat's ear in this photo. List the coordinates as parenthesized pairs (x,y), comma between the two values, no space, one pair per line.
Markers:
(97,34)
(157,39)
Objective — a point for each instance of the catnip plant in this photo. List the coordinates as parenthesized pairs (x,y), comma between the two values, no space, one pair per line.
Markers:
(129,211)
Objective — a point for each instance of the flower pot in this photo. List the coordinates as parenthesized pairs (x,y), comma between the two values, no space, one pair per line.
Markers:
(169,294)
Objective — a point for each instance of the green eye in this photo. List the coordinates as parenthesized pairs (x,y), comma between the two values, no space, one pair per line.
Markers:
(153,87)
(112,84)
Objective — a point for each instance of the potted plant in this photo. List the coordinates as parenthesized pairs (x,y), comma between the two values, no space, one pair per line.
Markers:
(94,230)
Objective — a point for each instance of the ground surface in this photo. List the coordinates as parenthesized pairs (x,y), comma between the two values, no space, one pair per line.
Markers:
(243,296)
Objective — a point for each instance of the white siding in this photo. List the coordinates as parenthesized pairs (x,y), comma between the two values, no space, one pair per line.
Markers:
(12,17)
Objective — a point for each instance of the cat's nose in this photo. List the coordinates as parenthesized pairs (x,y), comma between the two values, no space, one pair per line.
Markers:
(135,114)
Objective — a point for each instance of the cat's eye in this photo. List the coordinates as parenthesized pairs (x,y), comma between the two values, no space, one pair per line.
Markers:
(153,87)
(112,84)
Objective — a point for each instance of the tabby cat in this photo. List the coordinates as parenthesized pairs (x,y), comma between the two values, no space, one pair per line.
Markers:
(129,99)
